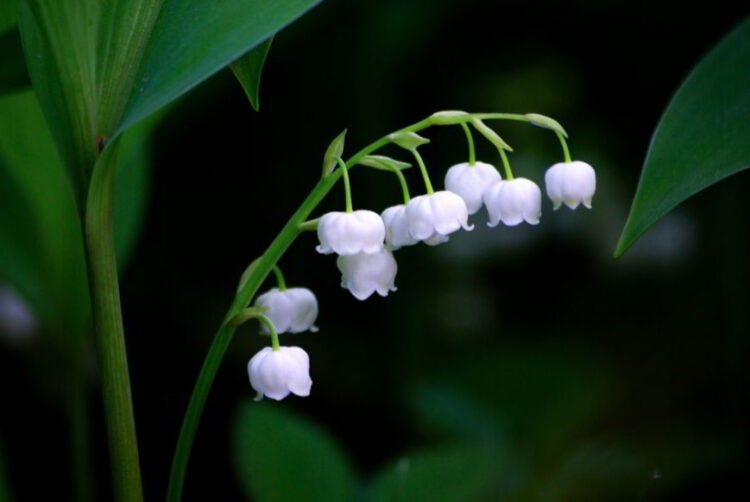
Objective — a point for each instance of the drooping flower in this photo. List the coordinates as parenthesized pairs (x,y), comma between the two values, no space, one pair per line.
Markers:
(364,274)
(470,182)
(276,373)
(291,310)
(433,217)
(513,202)
(397,227)
(347,234)
(570,183)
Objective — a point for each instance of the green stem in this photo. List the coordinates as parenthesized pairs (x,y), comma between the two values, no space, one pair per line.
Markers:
(260,270)
(506,164)
(110,338)
(279,278)
(404,185)
(423,169)
(470,141)
(564,144)
(347,184)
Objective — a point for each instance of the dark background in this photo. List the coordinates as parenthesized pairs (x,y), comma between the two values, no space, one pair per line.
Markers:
(607,380)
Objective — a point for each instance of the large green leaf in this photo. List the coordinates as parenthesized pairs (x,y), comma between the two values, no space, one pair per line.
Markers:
(100,67)
(193,39)
(46,263)
(60,40)
(248,69)
(41,252)
(280,457)
(459,473)
(13,72)
(702,138)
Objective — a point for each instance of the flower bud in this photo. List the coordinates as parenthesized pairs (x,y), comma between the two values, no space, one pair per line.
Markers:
(276,373)
(513,201)
(571,183)
(364,274)
(292,310)
(397,227)
(347,234)
(432,217)
(470,182)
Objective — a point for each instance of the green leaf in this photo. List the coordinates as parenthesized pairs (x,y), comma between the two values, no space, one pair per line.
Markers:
(43,211)
(248,69)
(460,473)
(546,122)
(490,134)
(702,137)
(100,67)
(41,251)
(59,40)
(383,163)
(408,140)
(193,39)
(334,151)
(8,14)
(13,74)
(448,117)
(280,457)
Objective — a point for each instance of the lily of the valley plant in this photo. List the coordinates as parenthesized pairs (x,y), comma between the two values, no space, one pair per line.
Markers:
(365,242)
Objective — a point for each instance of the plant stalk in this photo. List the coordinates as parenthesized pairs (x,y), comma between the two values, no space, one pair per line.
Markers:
(109,334)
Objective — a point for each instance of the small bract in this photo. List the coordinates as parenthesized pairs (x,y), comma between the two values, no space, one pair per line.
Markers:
(570,183)
(276,373)
(513,202)
(364,274)
(397,227)
(347,234)
(470,182)
(433,217)
(292,310)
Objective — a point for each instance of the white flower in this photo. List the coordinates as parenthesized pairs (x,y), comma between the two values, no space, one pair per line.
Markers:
(513,201)
(293,310)
(364,274)
(346,234)
(276,373)
(432,217)
(397,227)
(572,183)
(470,182)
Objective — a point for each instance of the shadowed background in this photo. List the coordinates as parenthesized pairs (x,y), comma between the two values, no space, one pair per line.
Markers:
(589,379)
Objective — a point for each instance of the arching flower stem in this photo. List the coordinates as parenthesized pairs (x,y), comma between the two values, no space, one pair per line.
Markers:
(423,169)
(279,278)
(506,164)
(470,141)
(564,144)
(258,272)
(347,184)
(404,185)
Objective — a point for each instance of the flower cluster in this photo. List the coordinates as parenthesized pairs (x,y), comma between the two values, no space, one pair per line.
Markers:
(364,241)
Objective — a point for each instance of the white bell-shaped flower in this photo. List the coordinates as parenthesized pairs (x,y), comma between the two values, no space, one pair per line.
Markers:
(347,234)
(513,202)
(397,227)
(291,310)
(470,182)
(276,373)
(433,216)
(364,274)
(570,183)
